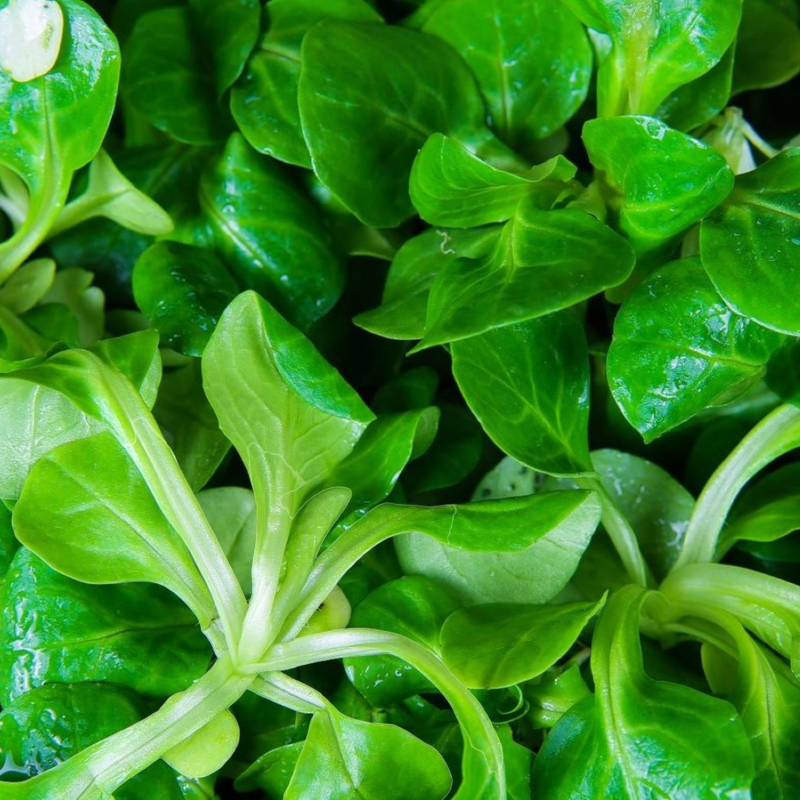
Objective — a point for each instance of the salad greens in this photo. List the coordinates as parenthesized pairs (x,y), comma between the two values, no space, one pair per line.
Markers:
(399,399)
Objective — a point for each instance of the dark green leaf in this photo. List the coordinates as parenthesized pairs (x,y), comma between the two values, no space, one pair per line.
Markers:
(270,233)
(678,349)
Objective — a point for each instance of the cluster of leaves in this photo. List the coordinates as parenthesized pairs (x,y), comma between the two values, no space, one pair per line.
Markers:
(222,572)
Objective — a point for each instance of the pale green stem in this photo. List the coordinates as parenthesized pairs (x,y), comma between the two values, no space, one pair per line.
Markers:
(776,434)
(483,753)
(288,692)
(97,771)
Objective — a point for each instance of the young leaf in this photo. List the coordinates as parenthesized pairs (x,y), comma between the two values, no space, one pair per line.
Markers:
(364,759)
(535,570)
(271,235)
(545,261)
(678,349)
(497,645)
(749,244)
(87,512)
(208,749)
(28,285)
(532,60)
(370,95)
(56,630)
(657,46)
(413,271)
(450,186)
(528,385)
(606,743)
(264,101)
(663,181)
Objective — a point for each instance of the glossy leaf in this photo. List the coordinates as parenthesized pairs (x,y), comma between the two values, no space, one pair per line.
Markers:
(208,749)
(532,61)
(545,261)
(678,349)
(46,726)
(56,630)
(413,271)
(28,285)
(533,569)
(264,101)
(87,512)
(271,235)
(55,119)
(767,696)
(657,46)
(358,758)
(413,606)
(183,291)
(637,736)
(369,97)
(492,646)
(450,186)
(750,244)
(663,181)
(528,385)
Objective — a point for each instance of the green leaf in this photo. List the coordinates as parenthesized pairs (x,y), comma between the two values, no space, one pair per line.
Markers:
(767,48)
(264,101)
(270,233)
(28,285)
(73,289)
(662,181)
(166,77)
(56,630)
(497,645)
(47,726)
(370,95)
(414,606)
(189,424)
(766,511)
(657,46)
(544,261)
(362,759)
(110,194)
(183,291)
(388,444)
(767,697)
(452,187)
(54,118)
(413,271)
(272,772)
(528,385)
(554,694)
(699,101)
(532,60)
(638,737)
(208,749)
(656,505)
(530,564)
(231,512)
(453,455)
(678,349)
(230,30)
(749,244)
(87,512)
